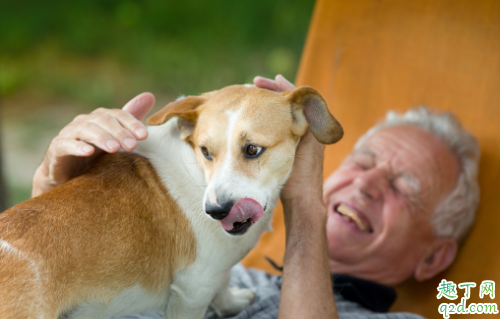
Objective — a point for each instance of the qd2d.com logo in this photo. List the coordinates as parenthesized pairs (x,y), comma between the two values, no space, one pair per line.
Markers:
(448,290)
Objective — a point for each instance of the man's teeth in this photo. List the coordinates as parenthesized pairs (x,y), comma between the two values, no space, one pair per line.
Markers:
(350,215)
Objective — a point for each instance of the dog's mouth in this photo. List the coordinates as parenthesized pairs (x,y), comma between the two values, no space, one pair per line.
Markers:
(239,228)
(242,216)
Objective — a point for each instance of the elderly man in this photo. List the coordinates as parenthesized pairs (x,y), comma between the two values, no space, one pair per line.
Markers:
(395,208)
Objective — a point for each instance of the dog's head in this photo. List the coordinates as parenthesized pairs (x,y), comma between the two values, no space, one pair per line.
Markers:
(244,139)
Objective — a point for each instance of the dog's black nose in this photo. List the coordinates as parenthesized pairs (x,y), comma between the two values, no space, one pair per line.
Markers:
(218,212)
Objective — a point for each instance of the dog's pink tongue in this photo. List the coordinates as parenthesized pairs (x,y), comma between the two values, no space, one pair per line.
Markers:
(243,209)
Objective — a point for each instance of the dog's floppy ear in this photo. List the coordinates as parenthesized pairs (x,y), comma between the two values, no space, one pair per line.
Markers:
(308,106)
(184,109)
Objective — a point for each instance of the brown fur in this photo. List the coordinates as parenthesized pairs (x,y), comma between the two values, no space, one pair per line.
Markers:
(110,229)
(275,120)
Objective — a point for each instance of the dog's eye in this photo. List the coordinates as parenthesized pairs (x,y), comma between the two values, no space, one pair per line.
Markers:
(252,151)
(205,152)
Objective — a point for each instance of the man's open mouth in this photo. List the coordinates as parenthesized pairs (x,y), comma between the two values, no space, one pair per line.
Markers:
(352,217)
(242,216)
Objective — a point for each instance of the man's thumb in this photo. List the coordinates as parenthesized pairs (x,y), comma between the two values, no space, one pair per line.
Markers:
(140,105)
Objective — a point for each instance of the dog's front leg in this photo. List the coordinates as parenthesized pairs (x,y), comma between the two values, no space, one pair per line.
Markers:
(231,301)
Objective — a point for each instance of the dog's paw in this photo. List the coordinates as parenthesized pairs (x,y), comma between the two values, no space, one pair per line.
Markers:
(232,301)
(242,298)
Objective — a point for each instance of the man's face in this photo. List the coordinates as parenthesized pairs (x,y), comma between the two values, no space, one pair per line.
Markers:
(392,183)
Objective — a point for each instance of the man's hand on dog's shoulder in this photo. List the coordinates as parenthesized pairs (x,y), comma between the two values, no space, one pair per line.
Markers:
(88,137)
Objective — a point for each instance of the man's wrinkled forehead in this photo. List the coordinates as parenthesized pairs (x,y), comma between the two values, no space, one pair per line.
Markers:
(419,153)
(369,157)
(401,145)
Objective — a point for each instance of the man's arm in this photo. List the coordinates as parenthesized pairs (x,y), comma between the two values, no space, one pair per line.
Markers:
(306,291)
(307,288)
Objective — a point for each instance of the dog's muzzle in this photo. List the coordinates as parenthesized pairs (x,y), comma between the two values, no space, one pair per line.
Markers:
(236,218)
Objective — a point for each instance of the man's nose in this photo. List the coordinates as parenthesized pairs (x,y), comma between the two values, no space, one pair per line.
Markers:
(372,182)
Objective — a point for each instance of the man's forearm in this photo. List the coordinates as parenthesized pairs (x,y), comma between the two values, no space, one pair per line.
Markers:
(307,290)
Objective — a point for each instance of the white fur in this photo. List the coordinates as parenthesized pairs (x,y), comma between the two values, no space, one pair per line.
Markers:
(7,248)
(216,251)
(212,196)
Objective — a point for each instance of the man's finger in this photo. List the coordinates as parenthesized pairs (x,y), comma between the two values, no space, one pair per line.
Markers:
(62,147)
(283,84)
(110,117)
(140,105)
(95,134)
(264,83)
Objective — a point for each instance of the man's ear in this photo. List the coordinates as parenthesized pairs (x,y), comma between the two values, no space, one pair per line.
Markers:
(309,107)
(439,256)
(184,109)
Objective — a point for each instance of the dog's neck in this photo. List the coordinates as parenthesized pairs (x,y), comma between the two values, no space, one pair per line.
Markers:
(175,163)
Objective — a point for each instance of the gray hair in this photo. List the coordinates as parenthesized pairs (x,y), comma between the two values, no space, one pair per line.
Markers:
(454,216)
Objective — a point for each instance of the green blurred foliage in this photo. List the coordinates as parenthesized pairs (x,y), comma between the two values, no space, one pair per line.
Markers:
(96,51)
(17,194)
(58,58)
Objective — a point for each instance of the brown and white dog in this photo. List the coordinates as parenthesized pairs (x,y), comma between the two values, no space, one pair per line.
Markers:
(159,229)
